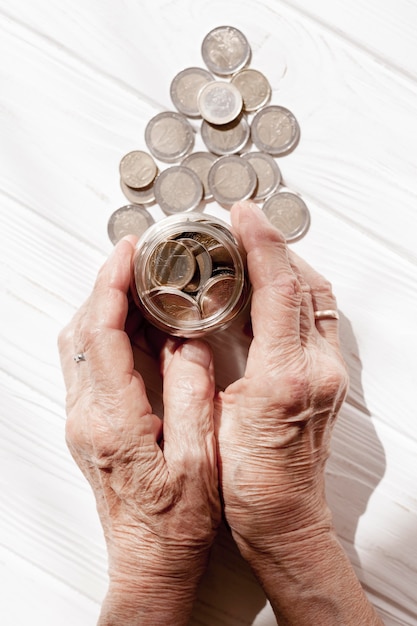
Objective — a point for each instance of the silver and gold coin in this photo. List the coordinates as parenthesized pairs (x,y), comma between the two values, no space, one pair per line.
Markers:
(267,173)
(201,162)
(289,213)
(146,195)
(216,294)
(185,88)
(226,139)
(275,130)
(169,136)
(219,102)
(175,305)
(138,169)
(131,219)
(172,264)
(204,265)
(231,179)
(254,88)
(178,189)
(225,50)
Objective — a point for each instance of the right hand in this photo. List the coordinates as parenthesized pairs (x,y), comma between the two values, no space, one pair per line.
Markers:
(274,424)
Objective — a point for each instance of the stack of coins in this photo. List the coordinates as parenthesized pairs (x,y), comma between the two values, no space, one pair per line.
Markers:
(244,135)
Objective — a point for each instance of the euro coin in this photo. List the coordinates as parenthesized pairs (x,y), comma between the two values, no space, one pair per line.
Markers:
(137,169)
(289,213)
(169,136)
(231,179)
(226,139)
(225,50)
(131,219)
(185,88)
(275,130)
(216,294)
(175,305)
(267,173)
(219,102)
(254,88)
(138,196)
(201,162)
(172,264)
(178,189)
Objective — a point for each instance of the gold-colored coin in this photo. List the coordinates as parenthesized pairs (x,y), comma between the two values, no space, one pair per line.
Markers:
(216,294)
(175,305)
(172,264)
(204,265)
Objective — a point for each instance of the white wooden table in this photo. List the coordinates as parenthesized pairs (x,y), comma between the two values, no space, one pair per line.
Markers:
(79,81)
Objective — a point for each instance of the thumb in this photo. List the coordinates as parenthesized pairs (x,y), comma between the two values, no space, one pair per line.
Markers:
(188,408)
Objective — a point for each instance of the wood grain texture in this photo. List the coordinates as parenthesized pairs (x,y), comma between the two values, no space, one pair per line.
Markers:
(79,81)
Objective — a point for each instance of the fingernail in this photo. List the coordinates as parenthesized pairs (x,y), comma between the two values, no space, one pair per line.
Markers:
(196,352)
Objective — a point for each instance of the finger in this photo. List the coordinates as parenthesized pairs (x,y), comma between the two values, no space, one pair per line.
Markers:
(277,293)
(322,299)
(188,408)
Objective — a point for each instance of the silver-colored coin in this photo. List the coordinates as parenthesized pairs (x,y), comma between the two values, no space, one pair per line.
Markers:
(169,136)
(289,213)
(226,139)
(178,189)
(275,130)
(231,179)
(131,219)
(219,102)
(175,304)
(172,264)
(254,87)
(216,294)
(267,172)
(225,50)
(138,169)
(200,163)
(185,88)
(204,265)
(138,196)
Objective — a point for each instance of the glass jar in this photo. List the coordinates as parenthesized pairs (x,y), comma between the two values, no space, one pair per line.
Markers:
(189,275)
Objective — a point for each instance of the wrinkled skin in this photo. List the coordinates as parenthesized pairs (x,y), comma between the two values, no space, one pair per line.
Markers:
(268,433)
(274,425)
(156,486)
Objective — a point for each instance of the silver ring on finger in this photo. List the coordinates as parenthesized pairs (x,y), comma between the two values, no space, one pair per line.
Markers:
(80,356)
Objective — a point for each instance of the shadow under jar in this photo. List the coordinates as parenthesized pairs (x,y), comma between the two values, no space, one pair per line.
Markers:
(189,275)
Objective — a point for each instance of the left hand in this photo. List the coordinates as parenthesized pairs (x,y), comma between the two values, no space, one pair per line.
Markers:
(158,504)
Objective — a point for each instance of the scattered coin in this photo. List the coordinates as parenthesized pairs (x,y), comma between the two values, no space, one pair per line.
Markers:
(216,294)
(200,163)
(137,169)
(172,264)
(267,173)
(178,189)
(254,87)
(231,179)
(185,88)
(226,139)
(219,102)
(289,213)
(138,196)
(225,50)
(175,304)
(169,136)
(131,219)
(275,130)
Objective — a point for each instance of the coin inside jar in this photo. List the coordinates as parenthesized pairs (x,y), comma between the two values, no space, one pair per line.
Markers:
(204,265)
(175,304)
(225,50)
(289,213)
(216,294)
(185,88)
(219,102)
(137,169)
(172,264)
(275,130)
(231,179)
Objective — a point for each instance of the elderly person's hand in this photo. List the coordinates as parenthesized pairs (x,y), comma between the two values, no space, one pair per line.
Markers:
(273,429)
(155,485)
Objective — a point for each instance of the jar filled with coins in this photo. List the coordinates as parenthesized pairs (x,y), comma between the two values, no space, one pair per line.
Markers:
(189,275)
